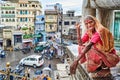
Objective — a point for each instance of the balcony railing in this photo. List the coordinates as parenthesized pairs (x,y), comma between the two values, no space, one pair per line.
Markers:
(8,16)
(7,8)
(81,73)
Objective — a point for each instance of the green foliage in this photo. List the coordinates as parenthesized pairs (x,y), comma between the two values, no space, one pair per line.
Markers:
(27,36)
(24,28)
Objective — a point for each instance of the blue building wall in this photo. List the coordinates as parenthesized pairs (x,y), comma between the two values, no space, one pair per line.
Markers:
(40,28)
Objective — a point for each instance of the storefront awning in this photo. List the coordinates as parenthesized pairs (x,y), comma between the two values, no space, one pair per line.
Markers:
(26,40)
(37,35)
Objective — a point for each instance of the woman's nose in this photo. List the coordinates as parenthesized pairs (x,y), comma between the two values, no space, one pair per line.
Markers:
(88,25)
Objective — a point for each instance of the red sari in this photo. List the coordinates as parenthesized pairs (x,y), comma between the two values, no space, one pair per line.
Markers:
(94,61)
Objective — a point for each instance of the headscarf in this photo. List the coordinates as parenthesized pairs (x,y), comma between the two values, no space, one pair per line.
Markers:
(105,35)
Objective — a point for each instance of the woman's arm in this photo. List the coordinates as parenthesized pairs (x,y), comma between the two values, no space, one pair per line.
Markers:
(85,50)
(78,34)
(75,63)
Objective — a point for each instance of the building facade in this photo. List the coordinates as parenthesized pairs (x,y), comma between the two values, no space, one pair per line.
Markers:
(68,29)
(50,22)
(40,29)
(20,18)
(8,14)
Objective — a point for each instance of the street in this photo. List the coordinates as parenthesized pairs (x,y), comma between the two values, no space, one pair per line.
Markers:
(15,56)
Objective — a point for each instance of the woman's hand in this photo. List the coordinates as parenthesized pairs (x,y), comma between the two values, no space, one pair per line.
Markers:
(73,67)
(77,25)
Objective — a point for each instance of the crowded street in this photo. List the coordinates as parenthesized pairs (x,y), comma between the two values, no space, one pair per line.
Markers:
(59,40)
(15,56)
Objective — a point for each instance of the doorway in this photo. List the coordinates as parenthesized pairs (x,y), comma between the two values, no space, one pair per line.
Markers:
(8,43)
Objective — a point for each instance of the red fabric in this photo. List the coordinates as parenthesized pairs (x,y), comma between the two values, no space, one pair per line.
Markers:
(85,38)
(93,59)
(94,39)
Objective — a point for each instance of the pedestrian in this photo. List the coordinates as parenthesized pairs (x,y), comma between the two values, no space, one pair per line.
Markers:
(48,78)
(51,52)
(45,77)
(29,72)
(99,40)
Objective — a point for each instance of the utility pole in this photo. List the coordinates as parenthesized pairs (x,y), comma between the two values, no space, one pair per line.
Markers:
(61,16)
(34,25)
(59,10)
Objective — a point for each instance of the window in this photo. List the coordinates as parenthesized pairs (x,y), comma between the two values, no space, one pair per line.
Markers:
(73,22)
(2,12)
(9,12)
(6,12)
(20,5)
(25,5)
(60,23)
(25,11)
(33,5)
(33,59)
(13,12)
(20,19)
(68,15)
(66,23)
(6,20)
(51,26)
(13,20)
(26,19)
(18,38)
(117,26)
(2,20)
(42,19)
(28,59)
(9,20)
(72,14)
(20,11)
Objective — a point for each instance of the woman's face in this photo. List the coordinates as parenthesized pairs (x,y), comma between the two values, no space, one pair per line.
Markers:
(90,24)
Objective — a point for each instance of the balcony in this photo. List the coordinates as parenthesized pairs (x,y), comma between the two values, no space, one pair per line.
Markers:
(8,16)
(81,73)
(7,8)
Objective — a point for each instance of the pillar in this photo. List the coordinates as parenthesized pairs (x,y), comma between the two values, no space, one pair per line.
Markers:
(105,16)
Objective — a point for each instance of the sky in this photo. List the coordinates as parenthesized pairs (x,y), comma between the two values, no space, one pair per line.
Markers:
(75,5)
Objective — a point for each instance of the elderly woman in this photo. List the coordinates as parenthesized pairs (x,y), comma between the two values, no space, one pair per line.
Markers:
(98,40)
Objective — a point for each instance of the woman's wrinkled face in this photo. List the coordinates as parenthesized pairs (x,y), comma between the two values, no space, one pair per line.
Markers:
(90,24)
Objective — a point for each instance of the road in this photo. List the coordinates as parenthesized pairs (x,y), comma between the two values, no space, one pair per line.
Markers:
(15,56)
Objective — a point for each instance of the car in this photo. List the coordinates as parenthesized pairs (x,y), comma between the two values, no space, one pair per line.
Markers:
(39,48)
(2,53)
(32,60)
(26,50)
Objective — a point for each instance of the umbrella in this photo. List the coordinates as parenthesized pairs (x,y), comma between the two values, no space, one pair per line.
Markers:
(47,69)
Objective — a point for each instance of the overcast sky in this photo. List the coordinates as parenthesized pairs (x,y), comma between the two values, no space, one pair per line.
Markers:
(66,4)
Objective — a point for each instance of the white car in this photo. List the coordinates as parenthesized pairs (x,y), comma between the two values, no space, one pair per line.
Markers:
(32,60)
